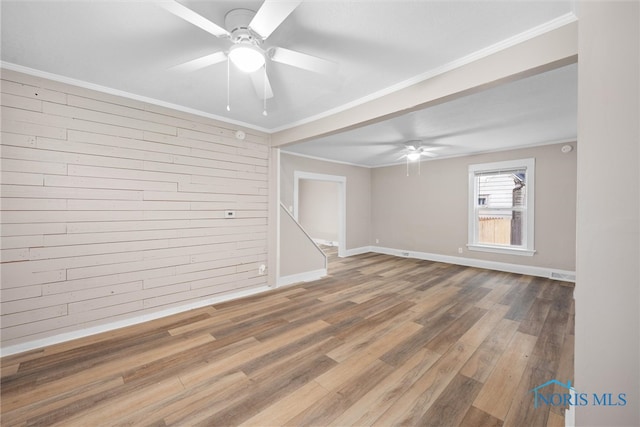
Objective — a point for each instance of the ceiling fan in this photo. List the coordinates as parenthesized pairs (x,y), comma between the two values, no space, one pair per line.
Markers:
(415,150)
(248,30)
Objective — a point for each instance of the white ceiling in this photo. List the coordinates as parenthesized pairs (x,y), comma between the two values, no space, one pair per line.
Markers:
(538,110)
(131,46)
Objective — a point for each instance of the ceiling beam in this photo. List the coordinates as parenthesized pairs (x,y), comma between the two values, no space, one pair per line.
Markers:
(550,50)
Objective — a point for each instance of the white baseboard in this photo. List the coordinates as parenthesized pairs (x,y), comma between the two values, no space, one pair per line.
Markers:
(357,251)
(307,276)
(69,336)
(555,274)
(570,413)
(324,242)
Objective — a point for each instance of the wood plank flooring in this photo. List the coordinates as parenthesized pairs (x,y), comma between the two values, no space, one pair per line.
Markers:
(380,341)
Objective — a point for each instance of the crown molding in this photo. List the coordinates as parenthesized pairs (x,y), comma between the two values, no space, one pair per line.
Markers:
(116,92)
(556,23)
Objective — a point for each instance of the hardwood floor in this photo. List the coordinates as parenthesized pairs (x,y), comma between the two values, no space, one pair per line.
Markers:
(381,341)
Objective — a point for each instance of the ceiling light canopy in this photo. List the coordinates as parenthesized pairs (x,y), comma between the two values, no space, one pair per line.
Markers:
(246,57)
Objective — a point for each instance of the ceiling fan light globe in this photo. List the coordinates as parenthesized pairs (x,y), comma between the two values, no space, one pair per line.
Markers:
(413,156)
(247,58)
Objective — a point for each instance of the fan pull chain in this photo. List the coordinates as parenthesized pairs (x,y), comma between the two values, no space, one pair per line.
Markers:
(419,166)
(264,111)
(228,83)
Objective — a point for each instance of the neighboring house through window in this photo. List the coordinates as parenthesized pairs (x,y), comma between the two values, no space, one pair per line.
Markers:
(501,207)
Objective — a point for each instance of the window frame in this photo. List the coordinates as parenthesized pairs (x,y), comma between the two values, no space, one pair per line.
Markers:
(527,248)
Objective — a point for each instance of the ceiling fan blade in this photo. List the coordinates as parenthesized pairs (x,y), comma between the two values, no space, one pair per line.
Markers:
(193,18)
(302,60)
(428,148)
(429,154)
(260,79)
(270,16)
(202,62)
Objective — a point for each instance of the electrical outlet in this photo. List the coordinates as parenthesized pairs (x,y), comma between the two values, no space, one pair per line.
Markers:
(377,241)
(262,269)
(459,250)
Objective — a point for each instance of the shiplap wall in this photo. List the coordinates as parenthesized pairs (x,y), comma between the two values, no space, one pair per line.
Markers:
(113,209)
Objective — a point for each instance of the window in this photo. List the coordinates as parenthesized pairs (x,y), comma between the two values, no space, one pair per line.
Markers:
(501,207)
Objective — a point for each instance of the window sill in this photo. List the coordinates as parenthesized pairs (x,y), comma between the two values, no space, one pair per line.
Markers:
(501,250)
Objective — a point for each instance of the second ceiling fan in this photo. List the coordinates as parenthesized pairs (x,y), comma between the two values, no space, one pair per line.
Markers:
(247,30)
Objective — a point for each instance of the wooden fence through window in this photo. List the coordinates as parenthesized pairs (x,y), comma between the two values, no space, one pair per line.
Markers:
(495,230)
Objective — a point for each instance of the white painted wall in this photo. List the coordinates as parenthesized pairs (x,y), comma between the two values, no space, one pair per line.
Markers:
(300,258)
(113,209)
(318,209)
(357,189)
(607,350)
(430,212)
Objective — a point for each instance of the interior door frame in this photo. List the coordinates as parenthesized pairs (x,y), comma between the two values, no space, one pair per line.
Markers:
(342,201)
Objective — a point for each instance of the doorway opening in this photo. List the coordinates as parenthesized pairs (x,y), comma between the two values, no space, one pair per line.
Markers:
(319,205)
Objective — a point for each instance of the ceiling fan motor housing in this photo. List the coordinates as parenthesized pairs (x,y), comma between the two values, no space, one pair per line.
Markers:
(237,23)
